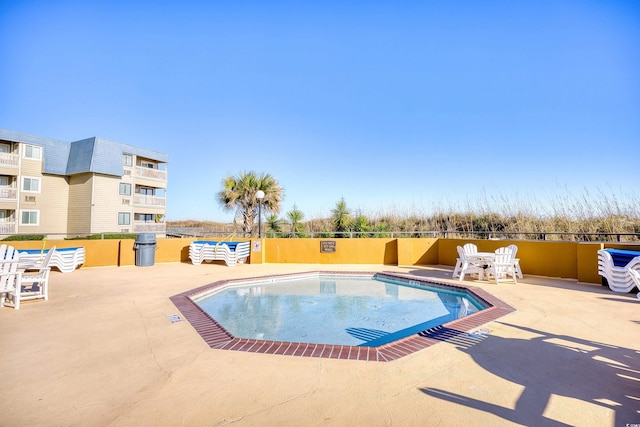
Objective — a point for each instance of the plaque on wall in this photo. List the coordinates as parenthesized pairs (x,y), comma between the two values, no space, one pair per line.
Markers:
(327,245)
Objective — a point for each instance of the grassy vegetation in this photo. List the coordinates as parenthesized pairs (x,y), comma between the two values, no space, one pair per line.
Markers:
(22,237)
(104,236)
(558,218)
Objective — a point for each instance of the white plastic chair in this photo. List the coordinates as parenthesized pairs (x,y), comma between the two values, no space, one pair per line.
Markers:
(459,263)
(515,261)
(35,280)
(467,267)
(470,249)
(502,266)
(10,277)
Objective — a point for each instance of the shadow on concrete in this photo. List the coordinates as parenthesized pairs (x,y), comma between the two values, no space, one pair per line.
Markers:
(549,364)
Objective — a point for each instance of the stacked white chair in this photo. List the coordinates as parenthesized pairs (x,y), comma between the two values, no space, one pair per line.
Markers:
(229,252)
(618,277)
(66,259)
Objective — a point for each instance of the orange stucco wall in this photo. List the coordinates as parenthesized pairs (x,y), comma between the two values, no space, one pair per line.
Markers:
(347,251)
(571,260)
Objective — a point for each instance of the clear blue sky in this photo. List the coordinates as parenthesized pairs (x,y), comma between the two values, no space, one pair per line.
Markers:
(405,106)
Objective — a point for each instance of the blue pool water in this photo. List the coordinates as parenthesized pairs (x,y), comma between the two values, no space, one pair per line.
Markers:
(337,309)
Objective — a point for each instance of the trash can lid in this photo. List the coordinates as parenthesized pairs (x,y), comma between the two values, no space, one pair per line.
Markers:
(146,238)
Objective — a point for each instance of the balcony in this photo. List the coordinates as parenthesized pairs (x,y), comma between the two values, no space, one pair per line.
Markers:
(8,194)
(7,228)
(148,173)
(8,160)
(146,200)
(149,227)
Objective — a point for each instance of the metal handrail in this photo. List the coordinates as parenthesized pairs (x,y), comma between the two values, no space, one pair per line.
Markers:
(528,235)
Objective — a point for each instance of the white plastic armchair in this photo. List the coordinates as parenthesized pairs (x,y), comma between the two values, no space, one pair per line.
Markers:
(470,249)
(502,266)
(10,276)
(459,263)
(35,280)
(466,267)
(515,261)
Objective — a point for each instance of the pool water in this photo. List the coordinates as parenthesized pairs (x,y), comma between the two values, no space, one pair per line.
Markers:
(369,310)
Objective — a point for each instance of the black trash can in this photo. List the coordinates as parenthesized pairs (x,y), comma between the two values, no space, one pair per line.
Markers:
(145,247)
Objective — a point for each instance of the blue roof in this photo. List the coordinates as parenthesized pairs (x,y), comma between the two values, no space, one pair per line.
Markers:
(97,155)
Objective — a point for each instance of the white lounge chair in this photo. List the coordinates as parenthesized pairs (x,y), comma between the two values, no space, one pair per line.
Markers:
(618,277)
(635,277)
(229,252)
(66,260)
(502,266)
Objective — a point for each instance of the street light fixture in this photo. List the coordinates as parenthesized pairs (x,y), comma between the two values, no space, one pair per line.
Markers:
(260,196)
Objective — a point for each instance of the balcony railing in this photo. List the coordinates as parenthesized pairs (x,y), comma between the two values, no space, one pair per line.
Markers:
(149,227)
(145,200)
(8,194)
(157,174)
(8,160)
(7,227)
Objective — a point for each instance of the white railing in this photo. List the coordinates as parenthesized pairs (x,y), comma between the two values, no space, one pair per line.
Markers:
(9,160)
(145,200)
(8,194)
(7,228)
(160,175)
(149,227)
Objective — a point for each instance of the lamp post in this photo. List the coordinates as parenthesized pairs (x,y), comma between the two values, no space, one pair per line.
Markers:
(260,196)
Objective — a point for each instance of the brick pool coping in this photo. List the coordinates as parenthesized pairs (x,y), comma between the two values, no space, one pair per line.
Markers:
(218,337)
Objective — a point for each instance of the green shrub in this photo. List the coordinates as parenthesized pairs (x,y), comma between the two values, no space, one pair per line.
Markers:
(24,237)
(106,236)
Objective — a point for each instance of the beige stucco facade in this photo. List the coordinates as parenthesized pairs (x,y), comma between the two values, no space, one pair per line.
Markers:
(49,187)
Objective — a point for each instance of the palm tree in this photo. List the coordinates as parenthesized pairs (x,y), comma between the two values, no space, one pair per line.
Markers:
(239,194)
(275,225)
(361,226)
(341,218)
(296,216)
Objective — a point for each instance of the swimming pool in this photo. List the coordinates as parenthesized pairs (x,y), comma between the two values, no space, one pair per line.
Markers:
(404,329)
(367,310)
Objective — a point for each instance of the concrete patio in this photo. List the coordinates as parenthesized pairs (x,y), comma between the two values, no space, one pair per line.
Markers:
(103,351)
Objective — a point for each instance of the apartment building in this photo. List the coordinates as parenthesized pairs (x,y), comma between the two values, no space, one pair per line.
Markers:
(91,186)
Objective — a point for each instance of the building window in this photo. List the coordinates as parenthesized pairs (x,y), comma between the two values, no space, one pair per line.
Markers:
(144,217)
(31,185)
(125,189)
(127,160)
(29,217)
(6,215)
(33,152)
(5,148)
(146,191)
(124,218)
(147,165)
